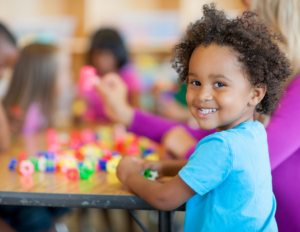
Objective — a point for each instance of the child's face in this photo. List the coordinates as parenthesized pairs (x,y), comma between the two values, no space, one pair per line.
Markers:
(104,61)
(218,94)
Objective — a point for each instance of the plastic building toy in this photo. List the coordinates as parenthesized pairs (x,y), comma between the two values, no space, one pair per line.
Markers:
(87,136)
(152,157)
(112,164)
(34,161)
(12,164)
(89,165)
(73,174)
(149,174)
(87,77)
(147,152)
(64,138)
(102,164)
(50,166)
(133,150)
(26,168)
(42,164)
(80,154)
(84,172)
(22,156)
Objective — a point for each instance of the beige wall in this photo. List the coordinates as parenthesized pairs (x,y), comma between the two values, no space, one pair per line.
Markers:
(90,12)
(190,10)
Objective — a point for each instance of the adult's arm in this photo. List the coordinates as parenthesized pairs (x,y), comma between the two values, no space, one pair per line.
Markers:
(283,130)
(154,127)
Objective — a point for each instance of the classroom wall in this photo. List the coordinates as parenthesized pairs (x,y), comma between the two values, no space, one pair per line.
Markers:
(92,14)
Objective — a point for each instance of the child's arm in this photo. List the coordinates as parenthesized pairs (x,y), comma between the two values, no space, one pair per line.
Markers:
(5,131)
(178,141)
(134,99)
(165,167)
(166,196)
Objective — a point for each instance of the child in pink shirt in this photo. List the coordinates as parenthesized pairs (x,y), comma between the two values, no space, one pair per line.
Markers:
(33,87)
(108,54)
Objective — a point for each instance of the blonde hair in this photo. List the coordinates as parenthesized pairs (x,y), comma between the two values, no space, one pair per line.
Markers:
(283,16)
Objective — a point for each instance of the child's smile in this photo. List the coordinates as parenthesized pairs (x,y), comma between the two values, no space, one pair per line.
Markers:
(219,94)
(203,113)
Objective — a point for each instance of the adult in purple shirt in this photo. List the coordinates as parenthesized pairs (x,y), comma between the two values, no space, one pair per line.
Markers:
(283,127)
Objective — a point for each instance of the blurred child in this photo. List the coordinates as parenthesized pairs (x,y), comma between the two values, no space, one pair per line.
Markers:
(108,54)
(233,68)
(8,56)
(33,88)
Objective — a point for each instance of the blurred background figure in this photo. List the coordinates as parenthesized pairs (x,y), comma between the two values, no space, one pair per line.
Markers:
(108,54)
(35,84)
(282,127)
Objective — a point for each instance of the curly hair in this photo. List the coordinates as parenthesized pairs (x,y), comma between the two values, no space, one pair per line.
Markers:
(260,58)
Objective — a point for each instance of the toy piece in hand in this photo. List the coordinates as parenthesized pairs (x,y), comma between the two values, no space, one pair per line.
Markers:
(149,174)
(87,78)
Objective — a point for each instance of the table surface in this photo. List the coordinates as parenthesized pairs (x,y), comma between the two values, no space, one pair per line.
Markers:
(101,190)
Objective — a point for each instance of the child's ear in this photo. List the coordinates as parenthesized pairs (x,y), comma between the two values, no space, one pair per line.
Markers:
(258,93)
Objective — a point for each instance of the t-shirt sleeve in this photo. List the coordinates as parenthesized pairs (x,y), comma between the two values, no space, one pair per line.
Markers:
(209,166)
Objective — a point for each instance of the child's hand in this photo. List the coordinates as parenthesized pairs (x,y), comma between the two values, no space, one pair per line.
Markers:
(178,141)
(113,90)
(127,167)
(154,166)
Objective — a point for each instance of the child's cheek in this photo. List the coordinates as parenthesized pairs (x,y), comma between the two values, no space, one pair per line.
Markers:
(228,103)
(190,96)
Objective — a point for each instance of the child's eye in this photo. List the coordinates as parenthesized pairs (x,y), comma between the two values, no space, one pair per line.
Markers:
(219,84)
(197,83)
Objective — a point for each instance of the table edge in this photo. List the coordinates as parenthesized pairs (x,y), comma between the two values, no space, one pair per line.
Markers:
(77,201)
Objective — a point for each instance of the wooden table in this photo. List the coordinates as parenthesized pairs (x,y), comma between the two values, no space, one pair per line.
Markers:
(101,190)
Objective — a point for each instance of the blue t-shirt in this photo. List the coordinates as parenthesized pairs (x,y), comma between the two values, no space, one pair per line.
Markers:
(230,172)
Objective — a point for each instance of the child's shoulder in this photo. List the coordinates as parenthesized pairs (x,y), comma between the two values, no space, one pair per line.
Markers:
(217,140)
(246,129)
(245,132)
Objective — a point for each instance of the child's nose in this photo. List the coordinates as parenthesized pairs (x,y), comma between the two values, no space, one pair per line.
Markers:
(204,94)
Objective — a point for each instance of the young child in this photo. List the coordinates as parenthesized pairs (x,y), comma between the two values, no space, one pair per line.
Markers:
(108,54)
(33,87)
(233,68)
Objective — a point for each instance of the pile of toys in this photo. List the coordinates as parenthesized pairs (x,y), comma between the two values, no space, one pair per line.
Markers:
(79,154)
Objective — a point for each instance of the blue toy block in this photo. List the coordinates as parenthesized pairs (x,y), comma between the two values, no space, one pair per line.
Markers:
(115,153)
(50,169)
(102,164)
(80,164)
(147,152)
(12,164)
(49,155)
